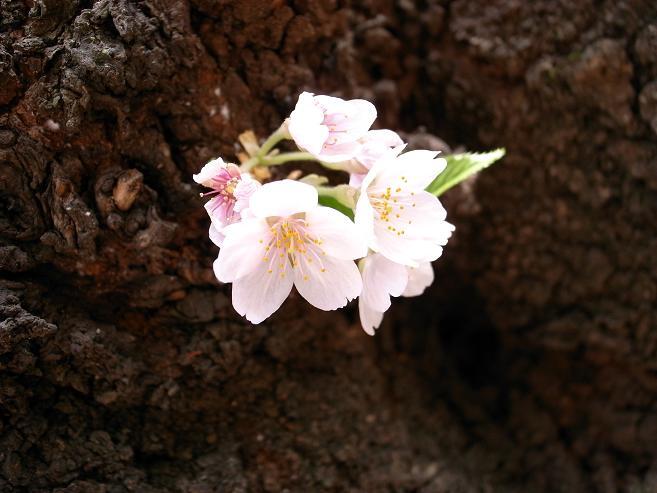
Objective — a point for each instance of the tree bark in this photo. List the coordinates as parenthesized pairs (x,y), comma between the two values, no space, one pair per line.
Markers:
(528,367)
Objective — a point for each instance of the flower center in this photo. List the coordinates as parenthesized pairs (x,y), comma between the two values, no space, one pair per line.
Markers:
(229,188)
(292,243)
(392,207)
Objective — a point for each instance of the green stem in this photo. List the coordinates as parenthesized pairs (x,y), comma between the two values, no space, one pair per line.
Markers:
(246,166)
(280,134)
(286,157)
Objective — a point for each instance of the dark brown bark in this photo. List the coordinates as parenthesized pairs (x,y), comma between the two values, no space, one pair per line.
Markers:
(529,366)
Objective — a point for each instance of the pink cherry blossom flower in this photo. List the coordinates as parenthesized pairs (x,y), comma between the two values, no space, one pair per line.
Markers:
(330,128)
(382,279)
(400,219)
(375,146)
(230,194)
(288,239)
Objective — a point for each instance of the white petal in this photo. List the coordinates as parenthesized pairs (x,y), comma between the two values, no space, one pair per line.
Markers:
(377,145)
(216,236)
(243,249)
(339,236)
(384,137)
(370,319)
(354,116)
(283,198)
(364,218)
(382,278)
(338,153)
(209,171)
(245,188)
(305,124)
(330,289)
(262,292)
(418,234)
(427,216)
(419,279)
(413,170)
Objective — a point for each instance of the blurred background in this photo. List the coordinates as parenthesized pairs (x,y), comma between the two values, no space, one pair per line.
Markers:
(530,365)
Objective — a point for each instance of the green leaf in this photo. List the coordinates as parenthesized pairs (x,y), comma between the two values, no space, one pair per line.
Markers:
(333,203)
(462,166)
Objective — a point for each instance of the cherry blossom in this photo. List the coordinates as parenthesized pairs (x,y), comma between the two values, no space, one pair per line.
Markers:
(400,219)
(288,239)
(419,279)
(330,128)
(230,194)
(382,279)
(375,146)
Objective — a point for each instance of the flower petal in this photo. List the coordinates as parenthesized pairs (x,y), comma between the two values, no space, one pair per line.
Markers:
(283,198)
(370,319)
(382,278)
(356,179)
(379,144)
(413,170)
(415,233)
(216,236)
(338,152)
(419,279)
(245,188)
(209,171)
(327,283)
(364,217)
(243,249)
(354,116)
(339,236)
(305,124)
(262,292)
(220,210)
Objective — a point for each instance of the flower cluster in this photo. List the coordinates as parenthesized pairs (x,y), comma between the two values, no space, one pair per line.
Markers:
(378,241)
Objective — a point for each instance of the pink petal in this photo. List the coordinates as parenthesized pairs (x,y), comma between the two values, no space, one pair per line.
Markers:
(209,171)
(245,188)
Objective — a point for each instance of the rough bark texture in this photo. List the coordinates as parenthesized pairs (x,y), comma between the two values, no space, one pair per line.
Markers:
(529,367)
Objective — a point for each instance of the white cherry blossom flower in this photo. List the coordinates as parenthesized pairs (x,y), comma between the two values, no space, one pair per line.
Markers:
(375,146)
(400,219)
(382,279)
(419,279)
(288,239)
(330,128)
